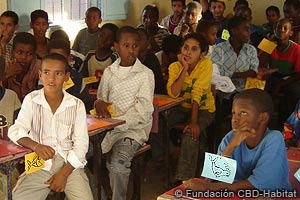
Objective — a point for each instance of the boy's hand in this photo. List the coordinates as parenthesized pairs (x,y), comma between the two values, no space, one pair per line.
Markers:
(242,132)
(195,130)
(44,151)
(12,68)
(183,62)
(101,109)
(184,29)
(58,181)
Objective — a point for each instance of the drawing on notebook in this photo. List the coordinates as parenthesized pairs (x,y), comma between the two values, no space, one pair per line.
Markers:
(221,168)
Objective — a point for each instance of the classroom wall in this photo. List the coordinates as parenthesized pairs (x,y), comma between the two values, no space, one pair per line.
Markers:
(136,6)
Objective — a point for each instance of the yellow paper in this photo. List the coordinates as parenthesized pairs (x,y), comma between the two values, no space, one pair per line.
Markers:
(255,83)
(267,46)
(33,163)
(93,112)
(111,110)
(89,80)
(68,84)
(225,34)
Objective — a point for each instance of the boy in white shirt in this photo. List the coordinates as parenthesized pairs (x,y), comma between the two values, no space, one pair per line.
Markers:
(128,86)
(53,124)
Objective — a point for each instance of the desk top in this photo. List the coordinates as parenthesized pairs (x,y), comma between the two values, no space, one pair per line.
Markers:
(97,125)
(164,102)
(10,151)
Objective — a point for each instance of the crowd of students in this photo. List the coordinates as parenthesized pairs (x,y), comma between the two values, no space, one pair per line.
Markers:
(176,57)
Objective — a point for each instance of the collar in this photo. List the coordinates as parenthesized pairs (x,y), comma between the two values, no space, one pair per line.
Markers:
(286,48)
(137,66)
(68,100)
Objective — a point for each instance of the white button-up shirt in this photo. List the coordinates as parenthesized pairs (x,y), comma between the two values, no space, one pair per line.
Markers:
(65,130)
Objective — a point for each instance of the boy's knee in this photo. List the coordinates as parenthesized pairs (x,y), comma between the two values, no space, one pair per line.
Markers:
(120,162)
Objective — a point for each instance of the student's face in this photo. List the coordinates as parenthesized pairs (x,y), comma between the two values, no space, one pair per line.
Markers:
(191,52)
(283,30)
(244,13)
(7,26)
(291,13)
(244,114)
(217,9)
(149,18)
(242,33)
(128,48)
(39,27)
(23,54)
(93,20)
(177,8)
(53,75)
(272,16)
(105,39)
(192,16)
(144,42)
(211,35)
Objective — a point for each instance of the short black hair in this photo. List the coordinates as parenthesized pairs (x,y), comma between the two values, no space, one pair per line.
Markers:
(112,27)
(182,1)
(203,26)
(59,44)
(38,14)
(56,56)
(273,8)
(153,9)
(260,99)
(202,42)
(2,68)
(213,1)
(294,3)
(171,44)
(241,2)
(126,29)
(93,9)
(11,14)
(24,38)
(59,34)
(244,9)
(235,22)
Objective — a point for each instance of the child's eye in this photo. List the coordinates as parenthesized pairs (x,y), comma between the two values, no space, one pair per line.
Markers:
(46,73)
(243,113)
(59,73)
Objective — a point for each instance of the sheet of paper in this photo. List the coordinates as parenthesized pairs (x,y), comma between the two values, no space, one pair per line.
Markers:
(267,46)
(89,80)
(225,34)
(68,84)
(33,163)
(297,175)
(219,168)
(255,83)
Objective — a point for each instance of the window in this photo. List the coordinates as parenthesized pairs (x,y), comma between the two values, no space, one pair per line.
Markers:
(64,10)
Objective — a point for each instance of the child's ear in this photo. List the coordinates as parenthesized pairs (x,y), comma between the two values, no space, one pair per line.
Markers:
(264,118)
(116,46)
(40,74)
(291,32)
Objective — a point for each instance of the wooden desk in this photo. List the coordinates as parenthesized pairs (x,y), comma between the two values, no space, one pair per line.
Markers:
(163,104)
(97,133)
(10,155)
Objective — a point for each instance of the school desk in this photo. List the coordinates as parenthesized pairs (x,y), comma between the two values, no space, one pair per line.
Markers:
(10,155)
(97,129)
(163,104)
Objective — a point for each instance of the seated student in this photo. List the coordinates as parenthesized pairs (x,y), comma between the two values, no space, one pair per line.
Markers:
(171,47)
(63,147)
(76,58)
(22,73)
(238,4)
(149,59)
(291,10)
(39,24)
(86,38)
(217,8)
(259,152)
(9,23)
(9,107)
(96,61)
(190,77)
(128,86)
(273,15)
(191,18)
(79,88)
(208,30)
(155,31)
(171,21)
(291,128)
(286,59)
